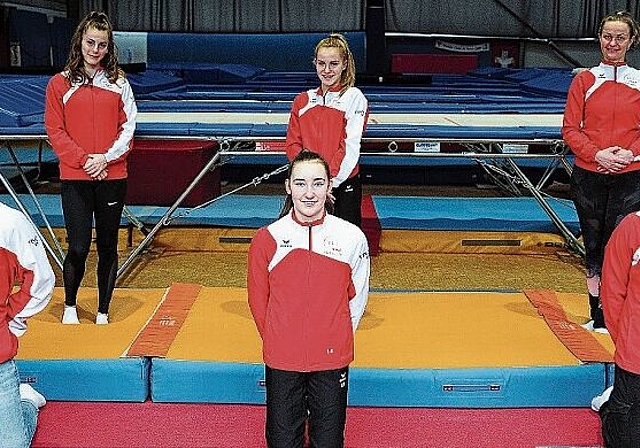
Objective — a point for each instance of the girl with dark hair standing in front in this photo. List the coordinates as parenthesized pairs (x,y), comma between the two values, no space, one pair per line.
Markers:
(90,119)
(602,128)
(308,283)
(330,121)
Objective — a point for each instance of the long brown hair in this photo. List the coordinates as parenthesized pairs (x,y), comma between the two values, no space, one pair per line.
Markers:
(305,156)
(336,40)
(75,62)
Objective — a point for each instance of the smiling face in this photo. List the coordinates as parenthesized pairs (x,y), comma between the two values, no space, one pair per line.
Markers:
(615,41)
(330,64)
(94,48)
(308,186)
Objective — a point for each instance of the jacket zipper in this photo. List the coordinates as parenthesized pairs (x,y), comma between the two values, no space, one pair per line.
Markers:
(307,304)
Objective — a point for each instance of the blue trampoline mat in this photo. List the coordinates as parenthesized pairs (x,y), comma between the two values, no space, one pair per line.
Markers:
(522,214)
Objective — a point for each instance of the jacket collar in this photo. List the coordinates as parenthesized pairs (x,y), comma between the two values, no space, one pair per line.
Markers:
(308,223)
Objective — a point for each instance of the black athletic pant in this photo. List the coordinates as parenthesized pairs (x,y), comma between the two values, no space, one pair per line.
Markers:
(348,205)
(621,413)
(601,202)
(293,398)
(82,202)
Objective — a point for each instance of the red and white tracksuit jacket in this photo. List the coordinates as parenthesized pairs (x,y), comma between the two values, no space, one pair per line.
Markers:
(332,126)
(603,110)
(620,292)
(22,260)
(308,285)
(97,117)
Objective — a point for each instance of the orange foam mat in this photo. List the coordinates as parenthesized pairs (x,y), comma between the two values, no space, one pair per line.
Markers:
(583,344)
(129,312)
(440,330)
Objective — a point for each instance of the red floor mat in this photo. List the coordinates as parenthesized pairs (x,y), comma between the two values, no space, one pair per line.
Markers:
(89,425)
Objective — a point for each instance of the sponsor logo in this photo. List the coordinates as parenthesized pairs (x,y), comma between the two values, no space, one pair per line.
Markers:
(35,241)
(286,243)
(332,248)
(111,204)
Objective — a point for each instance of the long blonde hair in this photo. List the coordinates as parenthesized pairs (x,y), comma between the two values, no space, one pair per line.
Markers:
(336,40)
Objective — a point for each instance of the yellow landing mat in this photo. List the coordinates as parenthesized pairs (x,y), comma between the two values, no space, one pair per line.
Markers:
(47,338)
(437,330)
(399,330)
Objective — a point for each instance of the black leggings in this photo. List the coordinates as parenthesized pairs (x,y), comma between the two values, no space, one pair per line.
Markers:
(348,204)
(621,413)
(602,200)
(82,202)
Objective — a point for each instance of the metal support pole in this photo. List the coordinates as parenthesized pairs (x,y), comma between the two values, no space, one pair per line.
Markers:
(168,214)
(43,215)
(573,242)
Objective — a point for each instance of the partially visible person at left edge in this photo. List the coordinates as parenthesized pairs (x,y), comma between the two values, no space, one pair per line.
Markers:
(90,118)
(620,414)
(23,261)
(602,128)
(330,121)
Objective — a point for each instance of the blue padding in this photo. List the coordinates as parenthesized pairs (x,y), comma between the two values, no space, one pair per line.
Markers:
(213,106)
(555,84)
(50,203)
(521,214)
(491,72)
(284,51)
(553,386)
(463,104)
(250,211)
(206,382)
(387,131)
(22,101)
(27,156)
(208,73)
(153,81)
(123,379)
(391,131)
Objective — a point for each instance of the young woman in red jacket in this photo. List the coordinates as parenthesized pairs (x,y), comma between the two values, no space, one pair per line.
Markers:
(621,302)
(23,262)
(308,283)
(90,119)
(602,128)
(330,121)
